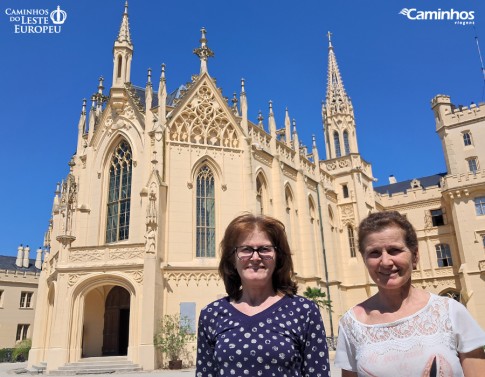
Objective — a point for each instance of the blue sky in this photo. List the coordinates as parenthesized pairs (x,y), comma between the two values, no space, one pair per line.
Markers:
(391,67)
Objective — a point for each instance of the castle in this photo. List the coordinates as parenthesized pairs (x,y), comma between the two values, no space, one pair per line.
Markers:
(157,176)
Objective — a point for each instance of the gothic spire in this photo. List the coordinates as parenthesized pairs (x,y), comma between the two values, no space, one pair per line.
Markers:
(203,52)
(124,34)
(122,53)
(337,99)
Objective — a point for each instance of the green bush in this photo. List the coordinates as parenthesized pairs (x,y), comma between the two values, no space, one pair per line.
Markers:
(21,350)
(6,355)
(174,333)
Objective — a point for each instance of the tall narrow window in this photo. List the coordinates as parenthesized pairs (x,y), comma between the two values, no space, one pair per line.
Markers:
(350,233)
(345,191)
(119,66)
(1,295)
(336,141)
(480,205)
(472,164)
(205,217)
(26,299)
(119,194)
(22,331)
(346,142)
(443,255)
(467,138)
(261,194)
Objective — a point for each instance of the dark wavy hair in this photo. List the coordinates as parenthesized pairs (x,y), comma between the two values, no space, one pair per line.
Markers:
(378,221)
(242,225)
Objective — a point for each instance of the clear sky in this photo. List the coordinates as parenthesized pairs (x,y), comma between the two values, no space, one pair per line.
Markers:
(391,66)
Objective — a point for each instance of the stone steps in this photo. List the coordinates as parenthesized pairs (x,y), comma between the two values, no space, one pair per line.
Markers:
(97,365)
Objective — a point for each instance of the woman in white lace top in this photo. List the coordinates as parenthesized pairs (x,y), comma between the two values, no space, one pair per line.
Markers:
(403,330)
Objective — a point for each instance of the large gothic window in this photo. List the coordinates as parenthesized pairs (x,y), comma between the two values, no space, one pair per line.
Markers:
(119,195)
(336,141)
(205,215)
(346,142)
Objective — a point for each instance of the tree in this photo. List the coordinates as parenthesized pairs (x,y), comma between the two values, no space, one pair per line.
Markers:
(318,297)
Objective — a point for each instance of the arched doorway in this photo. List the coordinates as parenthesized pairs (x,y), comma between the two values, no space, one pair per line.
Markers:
(116,322)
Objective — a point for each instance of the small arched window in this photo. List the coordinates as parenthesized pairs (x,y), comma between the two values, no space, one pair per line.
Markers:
(119,194)
(336,141)
(346,142)
(205,214)
(467,138)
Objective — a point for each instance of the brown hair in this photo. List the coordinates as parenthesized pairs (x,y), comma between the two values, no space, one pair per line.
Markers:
(378,221)
(275,230)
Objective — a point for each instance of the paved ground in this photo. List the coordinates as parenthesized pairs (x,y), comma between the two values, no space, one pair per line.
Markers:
(16,369)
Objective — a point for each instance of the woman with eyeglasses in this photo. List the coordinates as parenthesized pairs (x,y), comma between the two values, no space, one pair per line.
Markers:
(262,328)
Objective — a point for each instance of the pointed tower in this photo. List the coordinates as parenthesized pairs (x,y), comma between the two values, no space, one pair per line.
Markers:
(122,53)
(338,113)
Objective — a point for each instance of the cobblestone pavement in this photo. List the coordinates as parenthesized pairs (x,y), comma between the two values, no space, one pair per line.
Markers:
(18,369)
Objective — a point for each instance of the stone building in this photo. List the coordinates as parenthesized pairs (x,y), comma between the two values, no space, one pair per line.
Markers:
(157,176)
(19,277)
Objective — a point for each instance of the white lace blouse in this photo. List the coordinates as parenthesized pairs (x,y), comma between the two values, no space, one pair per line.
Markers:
(408,346)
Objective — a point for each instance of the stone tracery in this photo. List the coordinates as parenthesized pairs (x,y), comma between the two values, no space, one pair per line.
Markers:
(203,121)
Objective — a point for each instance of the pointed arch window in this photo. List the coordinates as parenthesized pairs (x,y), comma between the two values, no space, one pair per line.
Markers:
(261,194)
(119,194)
(346,142)
(336,141)
(205,214)
(120,63)
(350,234)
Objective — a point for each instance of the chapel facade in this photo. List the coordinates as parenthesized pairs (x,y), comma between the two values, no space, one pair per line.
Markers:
(157,176)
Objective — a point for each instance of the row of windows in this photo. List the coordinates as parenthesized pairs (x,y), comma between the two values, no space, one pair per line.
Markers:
(118,214)
(25,299)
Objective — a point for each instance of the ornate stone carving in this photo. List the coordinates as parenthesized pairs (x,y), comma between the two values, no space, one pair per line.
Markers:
(331,166)
(188,277)
(151,224)
(203,121)
(72,279)
(86,255)
(347,210)
(137,275)
(126,254)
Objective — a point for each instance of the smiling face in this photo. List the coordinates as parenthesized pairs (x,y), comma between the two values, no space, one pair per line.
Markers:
(389,261)
(255,272)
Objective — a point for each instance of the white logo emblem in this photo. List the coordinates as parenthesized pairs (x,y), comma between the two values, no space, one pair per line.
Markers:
(58,16)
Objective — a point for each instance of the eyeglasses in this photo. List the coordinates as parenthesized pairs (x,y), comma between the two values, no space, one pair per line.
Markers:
(245,252)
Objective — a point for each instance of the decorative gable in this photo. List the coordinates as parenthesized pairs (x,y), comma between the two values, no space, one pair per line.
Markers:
(203,120)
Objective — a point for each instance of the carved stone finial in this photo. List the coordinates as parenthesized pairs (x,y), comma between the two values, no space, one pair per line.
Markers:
(100,85)
(203,52)
(260,118)
(149,76)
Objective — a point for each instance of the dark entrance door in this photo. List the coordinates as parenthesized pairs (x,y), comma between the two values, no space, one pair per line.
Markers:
(116,322)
